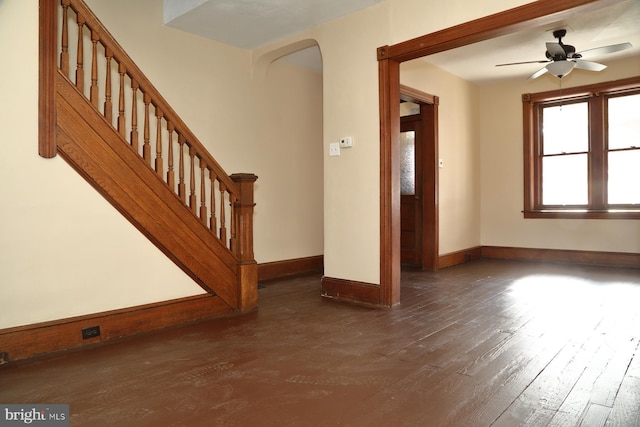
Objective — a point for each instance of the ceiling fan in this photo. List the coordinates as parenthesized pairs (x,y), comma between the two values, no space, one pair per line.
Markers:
(563,58)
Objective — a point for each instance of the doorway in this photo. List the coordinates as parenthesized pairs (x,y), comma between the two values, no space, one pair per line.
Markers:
(538,13)
(418,179)
(411,145)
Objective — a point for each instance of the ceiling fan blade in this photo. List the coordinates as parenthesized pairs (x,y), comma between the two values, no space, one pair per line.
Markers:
(589,65)
(603,50)
(525,62)
(556,50)
(538,73)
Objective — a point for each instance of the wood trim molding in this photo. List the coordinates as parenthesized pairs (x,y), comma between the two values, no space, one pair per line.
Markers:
(389,90)
(40,338)
(48,18)
(407,93)
(290,267)
(608,259)
(537,13)
(352,291)
(459,257)
(431,179)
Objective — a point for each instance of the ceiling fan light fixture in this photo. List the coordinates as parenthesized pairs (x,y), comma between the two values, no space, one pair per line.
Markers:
(560,68)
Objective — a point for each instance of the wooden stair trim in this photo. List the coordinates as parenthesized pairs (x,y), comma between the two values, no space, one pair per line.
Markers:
(48,337)
(97,152)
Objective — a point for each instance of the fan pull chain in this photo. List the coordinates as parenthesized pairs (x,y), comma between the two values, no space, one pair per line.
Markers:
(561,101)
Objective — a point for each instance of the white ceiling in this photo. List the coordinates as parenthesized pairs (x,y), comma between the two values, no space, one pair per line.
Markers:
(253,23)
(615,24)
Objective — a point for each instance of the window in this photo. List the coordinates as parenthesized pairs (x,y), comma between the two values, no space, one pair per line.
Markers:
(582,152)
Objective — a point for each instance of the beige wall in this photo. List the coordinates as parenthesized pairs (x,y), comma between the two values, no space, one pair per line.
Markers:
(287,157)
(351,181)
(64,251)
(350,108)
(500,137)
(459,178)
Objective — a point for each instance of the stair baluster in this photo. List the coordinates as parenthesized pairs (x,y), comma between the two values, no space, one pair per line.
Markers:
(80,55)
(108,104)
(203,193)
(223,226)
(146,148)
(213,221)
(121,118)
(170,172)
(159,166)
(193,202)
(182,192)
(134,116)
(94,69)
(64,54)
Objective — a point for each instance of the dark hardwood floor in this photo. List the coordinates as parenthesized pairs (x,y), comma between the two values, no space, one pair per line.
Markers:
(489,343)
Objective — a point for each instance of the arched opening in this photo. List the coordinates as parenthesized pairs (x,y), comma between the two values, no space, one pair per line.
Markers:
(289,86)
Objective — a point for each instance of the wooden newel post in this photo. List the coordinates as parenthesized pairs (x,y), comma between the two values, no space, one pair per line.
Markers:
(243,243)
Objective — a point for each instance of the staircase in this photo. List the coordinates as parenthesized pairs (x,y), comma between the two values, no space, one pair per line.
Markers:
(104,117)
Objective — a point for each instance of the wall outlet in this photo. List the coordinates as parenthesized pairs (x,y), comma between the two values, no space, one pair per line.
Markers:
(90,332)
(334,149)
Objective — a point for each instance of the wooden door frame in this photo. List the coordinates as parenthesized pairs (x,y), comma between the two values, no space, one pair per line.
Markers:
(528,16)
(429,105)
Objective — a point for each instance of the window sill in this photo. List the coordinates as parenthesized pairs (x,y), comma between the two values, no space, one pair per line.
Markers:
(583,214)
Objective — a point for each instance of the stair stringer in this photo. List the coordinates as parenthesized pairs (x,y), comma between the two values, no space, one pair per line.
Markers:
(104,159)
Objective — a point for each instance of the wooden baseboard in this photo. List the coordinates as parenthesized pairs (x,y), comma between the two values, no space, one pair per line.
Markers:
(608,259)
(40,338)
(290,267)
(349,290)
(459,257)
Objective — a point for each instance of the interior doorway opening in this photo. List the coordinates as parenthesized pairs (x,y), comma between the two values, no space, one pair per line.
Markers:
(418,179)
(530,15)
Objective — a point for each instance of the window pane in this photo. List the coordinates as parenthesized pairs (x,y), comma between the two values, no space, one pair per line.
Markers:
(624,121)
(624,177)
(564,180)
(565,128)
(407,163)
